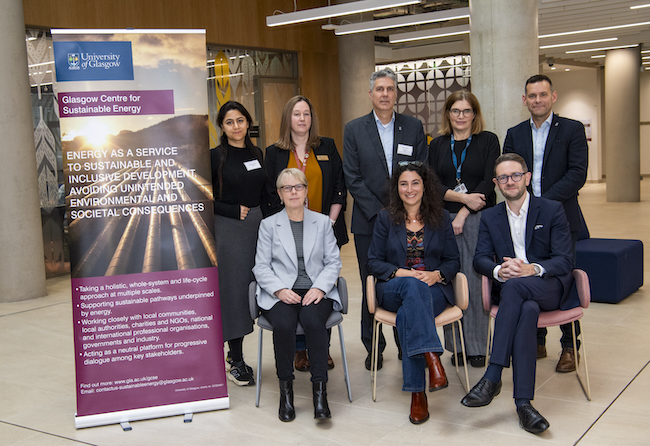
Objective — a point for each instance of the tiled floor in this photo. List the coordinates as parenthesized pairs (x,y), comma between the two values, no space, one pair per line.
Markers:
(37,400)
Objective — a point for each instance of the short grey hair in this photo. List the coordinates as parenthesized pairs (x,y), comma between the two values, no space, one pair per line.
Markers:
(297,174)
(384,72)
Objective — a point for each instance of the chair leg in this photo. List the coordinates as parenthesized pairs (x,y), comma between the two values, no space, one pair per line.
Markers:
(586,389)
(488,352)
(374,355)
(344,359)
(464,353)
(258,384)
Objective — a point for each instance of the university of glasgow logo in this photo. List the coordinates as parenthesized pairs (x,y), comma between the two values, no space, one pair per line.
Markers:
(73,61)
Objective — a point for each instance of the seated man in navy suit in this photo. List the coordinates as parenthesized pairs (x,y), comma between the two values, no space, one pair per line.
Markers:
(524,245)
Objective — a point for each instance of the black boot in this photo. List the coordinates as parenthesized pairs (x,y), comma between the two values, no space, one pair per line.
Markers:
(321,409)
(286,412)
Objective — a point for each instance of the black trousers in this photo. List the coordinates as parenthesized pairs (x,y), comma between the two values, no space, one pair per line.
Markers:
(313,317)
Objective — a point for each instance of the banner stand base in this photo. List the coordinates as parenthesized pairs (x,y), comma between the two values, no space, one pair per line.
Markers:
(125,416)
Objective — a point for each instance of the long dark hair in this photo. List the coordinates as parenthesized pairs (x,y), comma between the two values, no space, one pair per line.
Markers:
(223,147)
(431,210)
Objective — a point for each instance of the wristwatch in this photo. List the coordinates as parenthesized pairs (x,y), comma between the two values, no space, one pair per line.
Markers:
(538,270)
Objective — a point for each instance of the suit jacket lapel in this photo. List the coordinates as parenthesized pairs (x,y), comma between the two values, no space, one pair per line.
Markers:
(504,227)
(533,213)
(286,237)
(375,141)
(308,235)
(552,134)
(397,137)
(400,233)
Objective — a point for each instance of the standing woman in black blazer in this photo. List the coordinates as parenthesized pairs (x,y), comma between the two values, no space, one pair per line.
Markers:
(241,191)
(463,158)
(300,146)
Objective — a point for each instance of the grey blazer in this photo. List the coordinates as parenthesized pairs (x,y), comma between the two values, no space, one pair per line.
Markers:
(365,168)
(276,260)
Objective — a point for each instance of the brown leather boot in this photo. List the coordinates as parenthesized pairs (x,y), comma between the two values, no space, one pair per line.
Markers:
(437,376)
(301,362)
(419,408)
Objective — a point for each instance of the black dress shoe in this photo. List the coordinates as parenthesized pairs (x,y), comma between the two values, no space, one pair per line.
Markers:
(531,420)
(482,393)
(476,361)
(380,361)
(461,361)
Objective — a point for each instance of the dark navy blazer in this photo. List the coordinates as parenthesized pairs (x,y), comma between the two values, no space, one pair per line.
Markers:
(564,170)
(388,251)
(548,243)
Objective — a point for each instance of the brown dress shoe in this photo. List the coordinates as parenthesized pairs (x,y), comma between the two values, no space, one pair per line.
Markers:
(330,362)
(567,361)
(541,351)
(437,376)
(301,362)
(419,408)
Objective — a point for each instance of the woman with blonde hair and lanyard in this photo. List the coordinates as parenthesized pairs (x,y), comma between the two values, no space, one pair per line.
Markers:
(300,146)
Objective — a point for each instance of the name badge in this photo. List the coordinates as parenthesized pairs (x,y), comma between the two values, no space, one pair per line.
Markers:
(461,188)
(322,157)
(252,165)
(403,149)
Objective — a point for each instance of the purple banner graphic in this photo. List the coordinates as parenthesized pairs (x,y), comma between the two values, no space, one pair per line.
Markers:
(145,291)
(128,329)
(116,103)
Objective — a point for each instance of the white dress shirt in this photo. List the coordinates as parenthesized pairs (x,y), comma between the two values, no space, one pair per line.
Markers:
(387,136)
(517,223)
(539,144)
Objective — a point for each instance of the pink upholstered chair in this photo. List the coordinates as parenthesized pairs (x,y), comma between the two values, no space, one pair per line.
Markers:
(451,314)
(552,319)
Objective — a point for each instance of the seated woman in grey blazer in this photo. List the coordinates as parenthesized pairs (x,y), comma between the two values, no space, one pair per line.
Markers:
(297,264)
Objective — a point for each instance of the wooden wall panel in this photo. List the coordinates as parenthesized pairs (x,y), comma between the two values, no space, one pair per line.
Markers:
(239,23)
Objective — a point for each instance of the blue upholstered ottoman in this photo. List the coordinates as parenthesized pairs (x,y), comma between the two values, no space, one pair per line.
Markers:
(614,266)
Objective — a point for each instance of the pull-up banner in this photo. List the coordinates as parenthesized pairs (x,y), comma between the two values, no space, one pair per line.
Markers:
(133,109)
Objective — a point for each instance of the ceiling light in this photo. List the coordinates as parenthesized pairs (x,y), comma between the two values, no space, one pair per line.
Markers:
(607,28)
(598,56)
(585,42)
(429,33)
(334,11)
(396,22)
(603,49)
(567,69)
(553,68)
(640,6)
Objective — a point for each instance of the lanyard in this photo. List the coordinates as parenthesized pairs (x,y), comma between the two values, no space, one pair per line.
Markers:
(462,156)
(303,167)
(300,164)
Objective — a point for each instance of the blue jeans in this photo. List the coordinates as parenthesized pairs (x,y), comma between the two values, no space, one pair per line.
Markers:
(416,305)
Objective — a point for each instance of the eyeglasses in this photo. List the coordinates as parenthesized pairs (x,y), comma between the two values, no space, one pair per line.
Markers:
(298,187)
(412,163)
(516,177)
(466,113)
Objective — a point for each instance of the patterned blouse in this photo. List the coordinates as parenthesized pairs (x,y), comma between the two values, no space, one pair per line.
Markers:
(415,250)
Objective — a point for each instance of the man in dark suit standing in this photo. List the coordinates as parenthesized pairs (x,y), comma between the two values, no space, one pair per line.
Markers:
(524,245)
(556,148)
(372,146)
